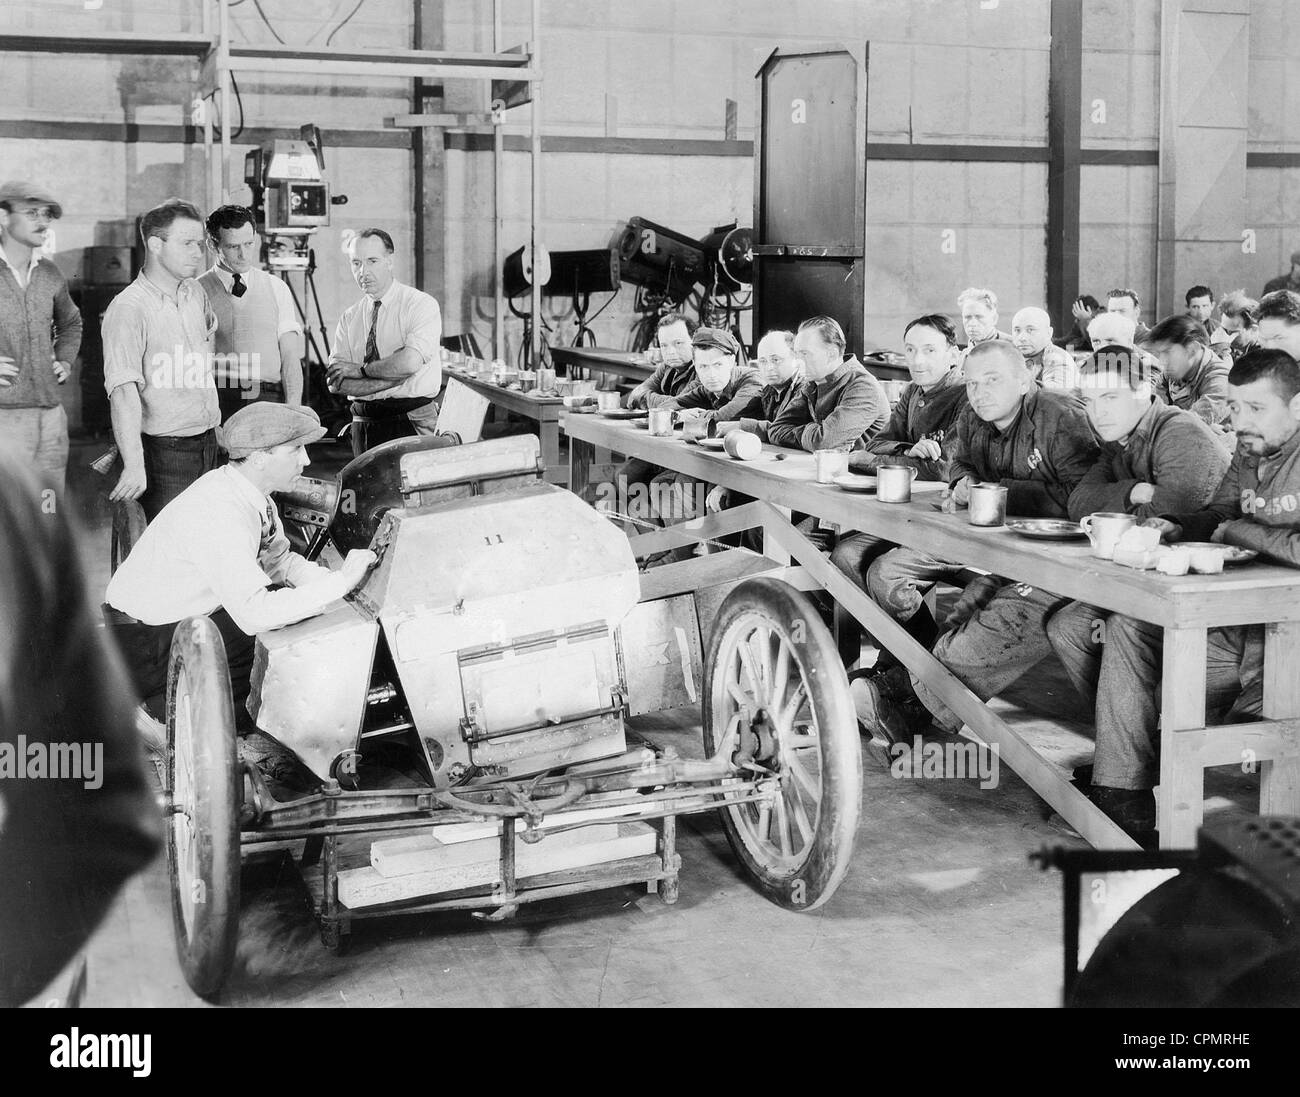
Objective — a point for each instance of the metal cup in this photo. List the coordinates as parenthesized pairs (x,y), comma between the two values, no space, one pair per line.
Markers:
(546,380)
(988,504)
(829,464)
(1104,529)
(661,422)
(894,483)
(695,429)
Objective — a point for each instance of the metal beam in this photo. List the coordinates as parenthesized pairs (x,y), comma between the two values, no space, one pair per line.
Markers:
(109,42)
(1064,139)
(429,160)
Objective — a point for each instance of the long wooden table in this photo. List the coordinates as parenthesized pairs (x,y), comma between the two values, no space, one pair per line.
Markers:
(543,410)
(1186,607)
(629,365)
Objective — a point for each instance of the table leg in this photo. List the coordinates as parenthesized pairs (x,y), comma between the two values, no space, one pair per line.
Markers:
(1279,780)
(549,435)
(580,454)
(772,549)
(1180,799)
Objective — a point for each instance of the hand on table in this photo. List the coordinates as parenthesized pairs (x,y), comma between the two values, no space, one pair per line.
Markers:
(1169,531)
(927,449)
(958,497)
(1219,531)
(1142,493)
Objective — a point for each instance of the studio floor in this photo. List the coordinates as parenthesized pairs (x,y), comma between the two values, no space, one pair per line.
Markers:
(941,907)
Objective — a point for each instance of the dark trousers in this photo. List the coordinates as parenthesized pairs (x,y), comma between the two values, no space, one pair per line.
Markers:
(377,421)
(173,464)
(147,648)
(232,398)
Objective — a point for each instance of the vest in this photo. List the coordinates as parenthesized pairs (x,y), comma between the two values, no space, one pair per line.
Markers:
(246,326)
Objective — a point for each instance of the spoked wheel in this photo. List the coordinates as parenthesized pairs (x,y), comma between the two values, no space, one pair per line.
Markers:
(128,524)
(205,789)
(776,699)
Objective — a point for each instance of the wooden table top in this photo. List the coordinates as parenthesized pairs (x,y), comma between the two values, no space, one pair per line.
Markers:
(1243,594)
(628,363)
(527,403)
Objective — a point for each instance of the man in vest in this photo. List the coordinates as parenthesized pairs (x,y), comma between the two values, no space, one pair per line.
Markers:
(258,338)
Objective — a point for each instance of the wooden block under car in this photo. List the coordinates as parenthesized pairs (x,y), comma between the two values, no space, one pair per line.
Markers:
(364,887)
(426,853)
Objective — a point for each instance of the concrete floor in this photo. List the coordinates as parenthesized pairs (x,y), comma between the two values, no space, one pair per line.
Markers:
(940,908)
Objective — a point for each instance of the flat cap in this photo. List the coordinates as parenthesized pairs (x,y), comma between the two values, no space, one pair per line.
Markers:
(19,190)
(265,426)
(717,338)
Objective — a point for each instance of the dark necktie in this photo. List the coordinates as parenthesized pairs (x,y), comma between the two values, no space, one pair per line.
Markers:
(238,289)
(372,347)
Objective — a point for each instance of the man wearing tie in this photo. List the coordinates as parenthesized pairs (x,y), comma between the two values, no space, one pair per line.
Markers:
(386,350)
(258,337)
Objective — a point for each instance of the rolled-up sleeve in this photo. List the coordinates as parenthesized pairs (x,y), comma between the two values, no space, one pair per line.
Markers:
(286,314)
(343,350)
(422,326)
(125,340)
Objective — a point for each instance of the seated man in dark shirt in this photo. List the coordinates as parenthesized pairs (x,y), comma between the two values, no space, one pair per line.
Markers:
(921,434)
(1038,445)
(840,406)
(782,375)
(1194,378)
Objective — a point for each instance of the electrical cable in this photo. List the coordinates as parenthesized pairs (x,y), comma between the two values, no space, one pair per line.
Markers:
(274,33)
(346,21)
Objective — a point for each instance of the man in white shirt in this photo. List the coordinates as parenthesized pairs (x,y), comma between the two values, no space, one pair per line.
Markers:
(217,549)
(386,350)
(258,337)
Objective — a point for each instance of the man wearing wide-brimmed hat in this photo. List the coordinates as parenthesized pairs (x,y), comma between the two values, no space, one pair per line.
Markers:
(40,332)
(218,549)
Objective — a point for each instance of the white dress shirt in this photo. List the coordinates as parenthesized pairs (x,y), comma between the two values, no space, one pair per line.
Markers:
(205,552)
(407,318)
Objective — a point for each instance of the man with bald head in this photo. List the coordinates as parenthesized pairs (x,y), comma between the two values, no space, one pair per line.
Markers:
(1054,368)
(1037,444)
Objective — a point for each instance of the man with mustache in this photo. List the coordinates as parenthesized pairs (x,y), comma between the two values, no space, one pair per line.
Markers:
(158,364)
(387,349)
(40,332)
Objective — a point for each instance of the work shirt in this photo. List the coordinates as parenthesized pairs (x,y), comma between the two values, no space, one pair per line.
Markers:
(919,415)
(1040,457)
(997,336)
(1204,390)
(742,387)
(842,411)
(764,409)
(1054,368)
(250,326)
(1170,449)
(665,381)
(407,318)
(38,324)
(1259,499)
(220,545)
(1282,281)
(163,345)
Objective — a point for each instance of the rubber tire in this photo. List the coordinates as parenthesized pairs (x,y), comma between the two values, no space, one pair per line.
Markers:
(814,881)
(128,524)
(198,661)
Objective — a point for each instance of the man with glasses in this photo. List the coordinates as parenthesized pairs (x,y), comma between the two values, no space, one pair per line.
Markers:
(258,337)
(40,332)
(158,364)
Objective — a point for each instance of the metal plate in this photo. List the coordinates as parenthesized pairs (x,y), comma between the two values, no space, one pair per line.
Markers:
(1046,529)
(851,482)
(1232,554)
(662,655)
(623,413)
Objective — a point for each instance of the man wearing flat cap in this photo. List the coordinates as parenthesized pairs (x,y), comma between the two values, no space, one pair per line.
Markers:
(40,332)
(218,549)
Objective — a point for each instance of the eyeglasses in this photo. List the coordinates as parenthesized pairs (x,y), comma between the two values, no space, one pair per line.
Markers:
(42,214)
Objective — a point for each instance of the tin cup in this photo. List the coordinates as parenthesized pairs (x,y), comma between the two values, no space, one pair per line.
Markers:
(661,422)
(988,505)
(1104,529)
(546,380)
(829,464)
(894,483)
(696,428)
